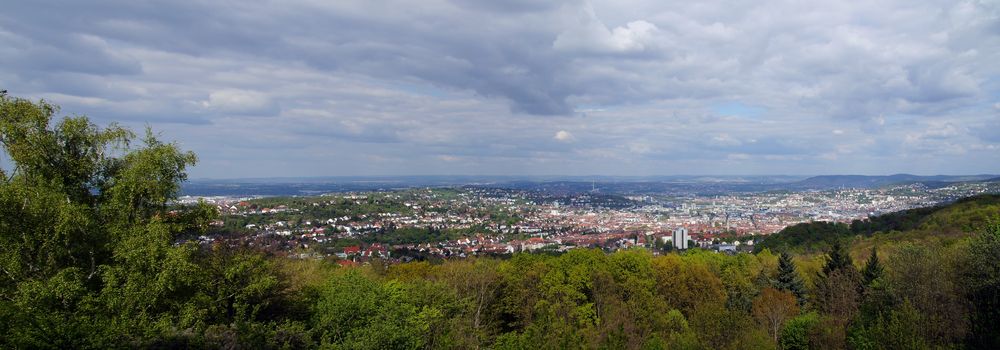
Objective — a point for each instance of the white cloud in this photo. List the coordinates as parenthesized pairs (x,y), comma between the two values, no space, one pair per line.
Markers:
(238,101)
(725,140)
(563,136)
(589,34)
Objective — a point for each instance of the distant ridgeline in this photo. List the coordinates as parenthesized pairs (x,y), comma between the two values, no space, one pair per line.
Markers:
(958,218)
(866,181)
(564,185)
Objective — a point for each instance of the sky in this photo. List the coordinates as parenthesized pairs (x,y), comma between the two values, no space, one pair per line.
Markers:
(523,87)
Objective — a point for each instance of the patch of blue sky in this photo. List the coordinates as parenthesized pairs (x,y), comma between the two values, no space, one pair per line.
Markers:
(737,109)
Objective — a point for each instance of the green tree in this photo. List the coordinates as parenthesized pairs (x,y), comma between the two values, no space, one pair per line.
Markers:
(981,277)
(686,285)
(358,312)
(789,278)
(838,259)
(873,269)
(896,329)
(837,296)
(927,277)
(86,238)
(476,284)
(796,333)
(721,328)
(239,286)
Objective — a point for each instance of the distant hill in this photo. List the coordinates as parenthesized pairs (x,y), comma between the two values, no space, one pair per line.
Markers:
(954,219)
(675,185)
(865,181)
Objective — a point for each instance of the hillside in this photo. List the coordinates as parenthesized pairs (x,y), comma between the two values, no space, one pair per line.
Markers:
(805,237)
(953,220)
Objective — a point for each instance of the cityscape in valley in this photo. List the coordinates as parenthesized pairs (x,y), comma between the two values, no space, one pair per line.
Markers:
(505,218)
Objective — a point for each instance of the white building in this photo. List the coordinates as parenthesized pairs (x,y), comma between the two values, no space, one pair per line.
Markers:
(680,238)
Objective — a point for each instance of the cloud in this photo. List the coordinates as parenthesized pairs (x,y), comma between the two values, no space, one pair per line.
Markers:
(239,101)
(563,136)
(589,34)
(651,86)
(738,156)
(73,53)
(724,140)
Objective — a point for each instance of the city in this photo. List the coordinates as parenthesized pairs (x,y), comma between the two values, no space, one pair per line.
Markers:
(475,220)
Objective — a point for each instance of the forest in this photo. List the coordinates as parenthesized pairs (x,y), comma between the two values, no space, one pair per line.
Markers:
(941,224)
(89,260)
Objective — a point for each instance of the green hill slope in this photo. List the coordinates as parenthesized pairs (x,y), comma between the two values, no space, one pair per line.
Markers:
(939,223)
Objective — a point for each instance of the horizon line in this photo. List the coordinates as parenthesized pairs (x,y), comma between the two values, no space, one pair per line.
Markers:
(572,176)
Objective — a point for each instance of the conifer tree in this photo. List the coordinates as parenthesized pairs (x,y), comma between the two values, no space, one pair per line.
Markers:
(838,288)
(838,259)
(873,269)
(789,278)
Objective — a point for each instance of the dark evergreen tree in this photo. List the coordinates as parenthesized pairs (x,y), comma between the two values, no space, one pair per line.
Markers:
(789,278)
(838,259)
(838,287)
(873,269)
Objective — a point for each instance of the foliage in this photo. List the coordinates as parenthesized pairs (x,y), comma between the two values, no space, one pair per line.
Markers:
(964,216)
(981,278)
(894,329)
(85,231)
(838,259)
(927,278)
(772,308)
(873,269)
(808,236)
(789,278)
(796,333)
(358,312)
